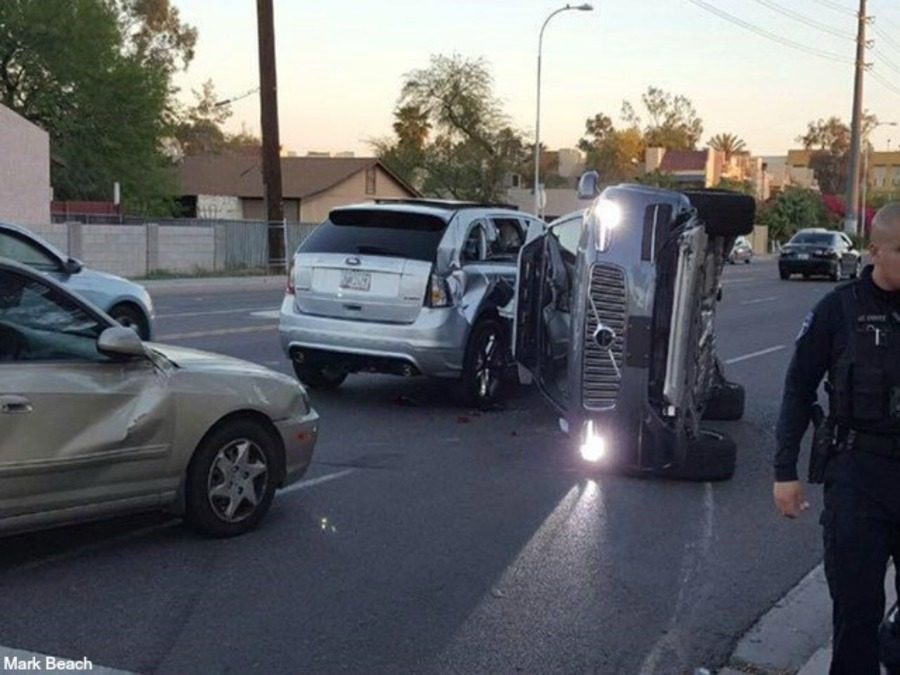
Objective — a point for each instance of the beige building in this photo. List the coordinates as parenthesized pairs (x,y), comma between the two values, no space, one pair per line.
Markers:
(230,187)
(24,171)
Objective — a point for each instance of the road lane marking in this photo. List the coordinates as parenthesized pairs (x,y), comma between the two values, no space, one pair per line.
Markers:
(317,481)
(215,312)
(268,314)
(214,333)
(762,352)
(753,302)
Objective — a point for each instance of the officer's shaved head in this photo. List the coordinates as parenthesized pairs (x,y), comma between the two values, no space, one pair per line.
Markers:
(884,247)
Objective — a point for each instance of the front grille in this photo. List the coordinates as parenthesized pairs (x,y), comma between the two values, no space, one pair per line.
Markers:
(600,385)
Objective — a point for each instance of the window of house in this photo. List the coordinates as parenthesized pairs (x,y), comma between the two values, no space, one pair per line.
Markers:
(370,181)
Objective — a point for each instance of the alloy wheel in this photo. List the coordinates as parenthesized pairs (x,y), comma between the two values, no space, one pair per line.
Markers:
(237,480)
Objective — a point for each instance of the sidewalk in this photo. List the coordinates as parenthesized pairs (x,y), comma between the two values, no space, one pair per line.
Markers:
(193,284)
(795,635)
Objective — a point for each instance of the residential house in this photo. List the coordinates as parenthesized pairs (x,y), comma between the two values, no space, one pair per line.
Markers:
(230,187)
(24,171)
(688,168)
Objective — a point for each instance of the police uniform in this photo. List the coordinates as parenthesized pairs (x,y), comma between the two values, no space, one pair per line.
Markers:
(853,335)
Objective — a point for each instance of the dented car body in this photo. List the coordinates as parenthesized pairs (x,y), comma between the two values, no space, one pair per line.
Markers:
(615,319)
(93,422)
(407,287)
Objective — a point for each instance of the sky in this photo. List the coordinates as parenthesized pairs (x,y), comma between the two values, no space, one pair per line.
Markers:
(341,64)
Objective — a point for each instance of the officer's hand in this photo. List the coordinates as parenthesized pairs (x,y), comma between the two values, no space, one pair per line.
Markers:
(789,498)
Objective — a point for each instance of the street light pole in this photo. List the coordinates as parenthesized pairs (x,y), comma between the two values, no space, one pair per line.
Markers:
(537,122)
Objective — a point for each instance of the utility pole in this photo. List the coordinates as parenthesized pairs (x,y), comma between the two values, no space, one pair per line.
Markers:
(851,222)
(271,145)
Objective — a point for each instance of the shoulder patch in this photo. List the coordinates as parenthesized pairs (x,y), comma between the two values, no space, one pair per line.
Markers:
(807,324)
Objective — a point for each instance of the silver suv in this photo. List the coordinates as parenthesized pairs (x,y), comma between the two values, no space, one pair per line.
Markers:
(408,287)
(615,320)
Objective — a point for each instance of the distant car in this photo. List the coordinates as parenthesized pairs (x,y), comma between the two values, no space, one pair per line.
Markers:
(820,252)
(741,250)
(406,287)
(125,301)
(96,423)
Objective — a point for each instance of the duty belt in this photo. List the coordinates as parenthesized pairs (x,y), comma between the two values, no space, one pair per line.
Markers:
(879,444)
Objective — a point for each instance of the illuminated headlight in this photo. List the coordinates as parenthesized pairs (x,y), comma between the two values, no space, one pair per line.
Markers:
(609,216)
(593,445)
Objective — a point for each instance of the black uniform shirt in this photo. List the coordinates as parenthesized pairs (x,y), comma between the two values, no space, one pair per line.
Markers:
(822,339)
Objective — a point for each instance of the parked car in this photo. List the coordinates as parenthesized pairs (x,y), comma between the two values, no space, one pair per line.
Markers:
(615,320)
(94,422)
(125,301)
(741,250)
(408,287)
(817,251)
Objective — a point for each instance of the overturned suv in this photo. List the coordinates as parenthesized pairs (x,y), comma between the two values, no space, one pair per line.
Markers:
(615,320)
(406,287)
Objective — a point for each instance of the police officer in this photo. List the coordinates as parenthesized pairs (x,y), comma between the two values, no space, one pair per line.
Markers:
(853,335)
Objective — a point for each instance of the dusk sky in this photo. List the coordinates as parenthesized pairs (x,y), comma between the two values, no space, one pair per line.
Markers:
(341,64)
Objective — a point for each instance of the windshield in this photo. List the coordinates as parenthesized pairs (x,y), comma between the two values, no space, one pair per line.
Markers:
(818,238)
(378,232)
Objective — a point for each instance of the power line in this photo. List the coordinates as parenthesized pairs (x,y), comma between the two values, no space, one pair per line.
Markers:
(836,6)
(770,36)
(887,84)
(886,61)
(884,35)
(802,18)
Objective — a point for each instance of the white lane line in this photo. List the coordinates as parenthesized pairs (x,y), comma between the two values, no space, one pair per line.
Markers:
(268,314)
(14,660)
(214,312)
(317,481)
(753,302)
(762,352)
(213,333)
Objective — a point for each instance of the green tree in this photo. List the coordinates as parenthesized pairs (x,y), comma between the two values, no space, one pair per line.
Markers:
(729,144)
(659,179)
(829,141)
(616,154)
(743,186)
(671,120)
(96,75)
(470,144)
(793,210)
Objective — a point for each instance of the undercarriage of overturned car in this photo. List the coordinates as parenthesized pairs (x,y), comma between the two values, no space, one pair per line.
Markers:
(618,330)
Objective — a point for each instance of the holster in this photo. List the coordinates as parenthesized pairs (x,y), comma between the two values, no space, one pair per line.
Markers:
(823,444)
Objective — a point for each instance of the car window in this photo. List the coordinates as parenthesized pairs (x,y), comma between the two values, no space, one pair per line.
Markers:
(510,236)
(474,249)
(568,233)
(378,232)
(39,323)
(820,238)
(26,252)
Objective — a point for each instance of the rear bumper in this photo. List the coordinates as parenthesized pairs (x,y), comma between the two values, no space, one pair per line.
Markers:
(811,266)
(433,345)
(298,435)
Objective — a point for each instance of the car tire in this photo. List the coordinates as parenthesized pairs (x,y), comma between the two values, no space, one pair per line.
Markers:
(784,274)
(321,378)
(725,403)
(857,270)
(837,273)
(485,364)
(131,317)
(234,466)
(711,457)
(747,261)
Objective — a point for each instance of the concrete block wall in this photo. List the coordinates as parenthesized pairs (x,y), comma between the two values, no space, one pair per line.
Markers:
(56,234)
(118,249)
(186,249)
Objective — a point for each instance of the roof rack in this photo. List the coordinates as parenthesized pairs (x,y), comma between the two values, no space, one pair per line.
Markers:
(449,204)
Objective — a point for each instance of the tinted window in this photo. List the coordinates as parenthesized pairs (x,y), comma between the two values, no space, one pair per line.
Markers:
(378,232)
(820,238)
(38,323)
(26,252)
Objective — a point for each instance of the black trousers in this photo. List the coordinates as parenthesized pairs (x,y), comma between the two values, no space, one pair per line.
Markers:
(860,537)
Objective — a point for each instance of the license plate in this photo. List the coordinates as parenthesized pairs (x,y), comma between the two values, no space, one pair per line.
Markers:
(353,280)
(803,256)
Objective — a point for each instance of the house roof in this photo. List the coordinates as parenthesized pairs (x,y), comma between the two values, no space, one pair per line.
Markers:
(241,175)
(684,160)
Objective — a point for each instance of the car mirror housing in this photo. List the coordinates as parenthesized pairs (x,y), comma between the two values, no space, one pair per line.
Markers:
(120,341)
(589,185)
(72,266)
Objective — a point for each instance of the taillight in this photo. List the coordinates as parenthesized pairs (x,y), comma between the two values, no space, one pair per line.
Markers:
(290,290)
(438,294)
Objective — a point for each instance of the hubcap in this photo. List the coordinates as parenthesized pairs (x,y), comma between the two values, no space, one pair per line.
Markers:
(237,480)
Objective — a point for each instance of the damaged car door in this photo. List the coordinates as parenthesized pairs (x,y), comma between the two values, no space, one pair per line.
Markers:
(81,432)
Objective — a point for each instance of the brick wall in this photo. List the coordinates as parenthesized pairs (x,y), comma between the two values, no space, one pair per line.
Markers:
(118,249)
(186,249)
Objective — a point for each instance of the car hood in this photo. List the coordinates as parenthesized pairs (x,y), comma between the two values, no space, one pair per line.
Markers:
(195,360)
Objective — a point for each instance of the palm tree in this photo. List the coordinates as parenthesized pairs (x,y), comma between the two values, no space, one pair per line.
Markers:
(730,144)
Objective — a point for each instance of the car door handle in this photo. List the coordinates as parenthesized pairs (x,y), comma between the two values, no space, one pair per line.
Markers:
(15,405)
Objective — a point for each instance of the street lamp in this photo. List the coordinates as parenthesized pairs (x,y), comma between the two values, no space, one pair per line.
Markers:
(861,225)
(537,123)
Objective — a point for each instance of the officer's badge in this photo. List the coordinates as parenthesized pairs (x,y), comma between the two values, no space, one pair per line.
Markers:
(807,324)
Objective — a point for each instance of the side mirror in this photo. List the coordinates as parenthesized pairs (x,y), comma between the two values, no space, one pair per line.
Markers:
(589,185)
(72,266)
(120,341)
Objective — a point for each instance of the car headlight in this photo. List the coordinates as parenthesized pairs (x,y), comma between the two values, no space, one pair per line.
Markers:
(609,216)
(593,445)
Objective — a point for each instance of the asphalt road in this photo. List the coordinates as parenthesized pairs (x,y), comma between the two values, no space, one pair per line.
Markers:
(429,538)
